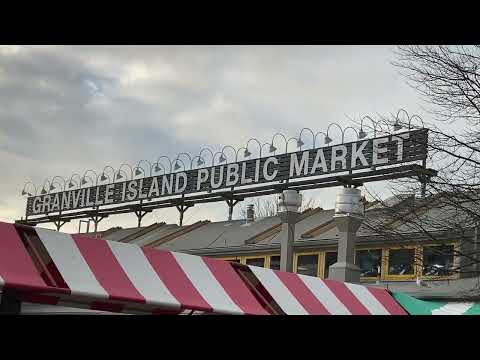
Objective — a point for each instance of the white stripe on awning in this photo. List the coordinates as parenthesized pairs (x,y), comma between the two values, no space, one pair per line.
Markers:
(367,299)
(72,266)
(142,275)
(206,283)
(453,309)
(326,297)
(277,289)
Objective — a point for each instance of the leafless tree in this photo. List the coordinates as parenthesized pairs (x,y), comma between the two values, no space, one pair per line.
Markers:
(448,78)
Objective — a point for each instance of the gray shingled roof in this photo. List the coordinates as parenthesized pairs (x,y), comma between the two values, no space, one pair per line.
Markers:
(155,234)
(202,237)
(236,236)
(121,233)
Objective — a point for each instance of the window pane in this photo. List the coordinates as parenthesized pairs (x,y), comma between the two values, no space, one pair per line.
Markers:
(400,262)
(307,265)
(260,262)
(369,261)
(275,262)
(437,260)
(330,259)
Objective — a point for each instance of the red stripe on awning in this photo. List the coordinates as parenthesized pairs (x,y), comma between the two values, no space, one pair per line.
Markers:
(105,306)
(387,301)
(175,279)
(107,269)
(234,286)
(40,298)
(16,266)
(302,293)
(348,299)
(166,311)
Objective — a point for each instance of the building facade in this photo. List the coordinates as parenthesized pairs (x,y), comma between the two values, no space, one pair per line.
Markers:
(408,256)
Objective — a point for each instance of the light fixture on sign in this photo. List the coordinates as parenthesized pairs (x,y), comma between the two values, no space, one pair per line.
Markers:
(138,172)
(103,177)
(328,139)
(200,162)
(157,168)
(247,153)
(119,175)
(272,148)
(397,126)
(300,143)
(43,191)
(52,187)
(176,166)
(362,134)
(222,158)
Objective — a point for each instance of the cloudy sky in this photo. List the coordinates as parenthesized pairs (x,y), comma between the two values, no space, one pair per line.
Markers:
(67,109)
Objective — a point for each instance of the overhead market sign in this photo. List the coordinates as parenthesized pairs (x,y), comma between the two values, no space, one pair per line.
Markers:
(368,153)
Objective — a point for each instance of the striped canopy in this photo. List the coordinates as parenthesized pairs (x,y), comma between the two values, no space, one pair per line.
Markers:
(50,267)
(299,294)
(420,307)
(111,276)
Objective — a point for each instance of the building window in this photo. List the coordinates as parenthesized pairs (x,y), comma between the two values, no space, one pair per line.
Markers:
(401,261)
(330,259)
(437,260)
(275,262)
(307,264)
(369,262)
(260,262)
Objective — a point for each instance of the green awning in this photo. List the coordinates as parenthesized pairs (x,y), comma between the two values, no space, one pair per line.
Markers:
(420,307)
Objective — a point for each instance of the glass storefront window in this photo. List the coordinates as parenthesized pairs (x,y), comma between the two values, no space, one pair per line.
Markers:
(330,259)
(370,262)
(437,260)
(260,262)
(401,261)
(275,262)
(307,264)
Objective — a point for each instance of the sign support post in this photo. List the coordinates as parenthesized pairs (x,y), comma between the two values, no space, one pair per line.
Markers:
(290,201)
(348,218)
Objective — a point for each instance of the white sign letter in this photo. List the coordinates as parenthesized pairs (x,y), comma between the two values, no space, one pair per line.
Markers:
(298,168)
(379,150)
(341,157)
(265,168)
(232,169)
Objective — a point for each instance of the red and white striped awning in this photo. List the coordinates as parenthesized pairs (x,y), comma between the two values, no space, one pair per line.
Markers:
(50,267)
(112,276)
(299,294)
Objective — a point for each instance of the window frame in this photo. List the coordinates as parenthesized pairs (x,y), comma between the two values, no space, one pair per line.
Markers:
(416,267)
(382,262)
(269,260)
(324,260)
(319,260)
(230,258)
(266,262)
(456,246)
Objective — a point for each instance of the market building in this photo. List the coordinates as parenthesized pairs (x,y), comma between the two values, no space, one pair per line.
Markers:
(413,261)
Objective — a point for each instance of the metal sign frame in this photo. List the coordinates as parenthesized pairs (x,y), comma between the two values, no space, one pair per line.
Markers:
(374,159)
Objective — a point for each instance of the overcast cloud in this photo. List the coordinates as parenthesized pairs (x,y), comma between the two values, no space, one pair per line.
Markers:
(69,109)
